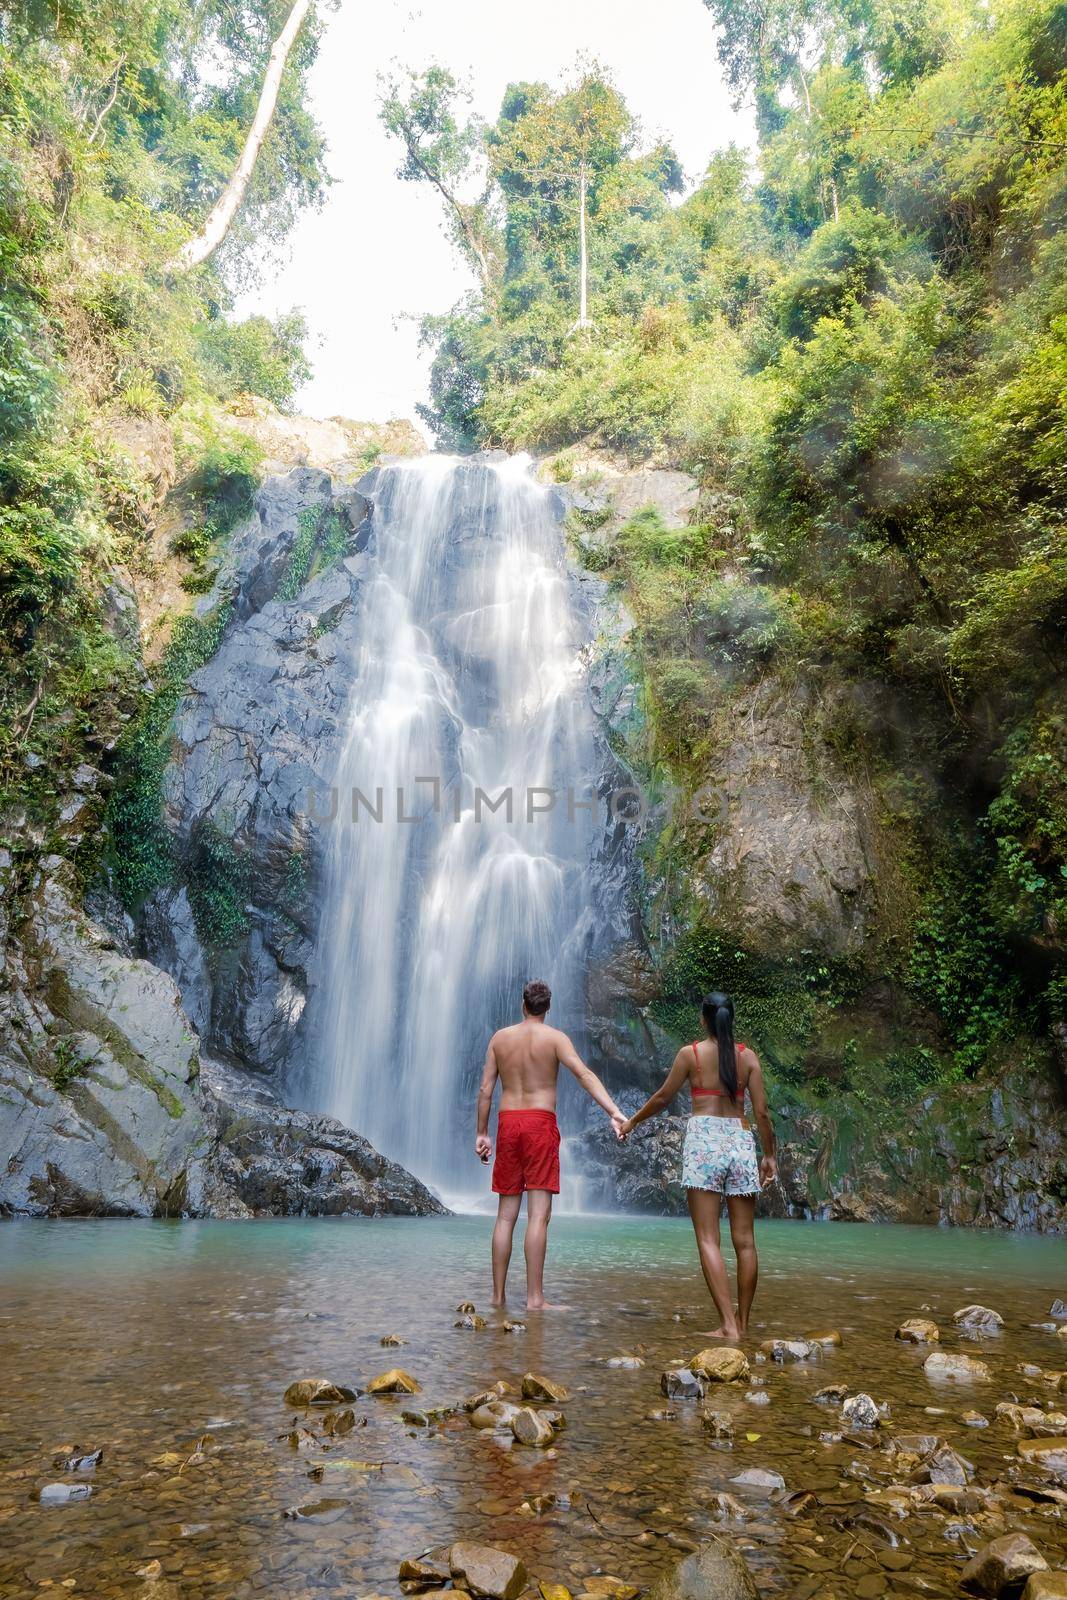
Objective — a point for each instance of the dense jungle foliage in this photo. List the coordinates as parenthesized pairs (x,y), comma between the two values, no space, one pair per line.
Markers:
(119,127)
(860,349)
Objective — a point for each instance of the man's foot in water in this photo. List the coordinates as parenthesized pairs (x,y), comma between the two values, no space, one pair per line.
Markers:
(725,1332)
(545,1305)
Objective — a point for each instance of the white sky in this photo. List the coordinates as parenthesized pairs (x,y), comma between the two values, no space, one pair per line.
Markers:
(377,254)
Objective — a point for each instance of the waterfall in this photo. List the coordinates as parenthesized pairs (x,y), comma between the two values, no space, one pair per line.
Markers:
(468,683)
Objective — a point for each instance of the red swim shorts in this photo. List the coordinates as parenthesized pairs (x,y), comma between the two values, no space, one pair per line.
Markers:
(527,1152)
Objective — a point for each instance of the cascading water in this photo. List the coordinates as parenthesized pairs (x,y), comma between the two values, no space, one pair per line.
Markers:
(468,686)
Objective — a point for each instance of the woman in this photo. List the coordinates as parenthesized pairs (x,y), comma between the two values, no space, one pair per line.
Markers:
(720,1153)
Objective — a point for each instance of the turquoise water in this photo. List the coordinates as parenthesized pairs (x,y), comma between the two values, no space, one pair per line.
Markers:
(140,1338)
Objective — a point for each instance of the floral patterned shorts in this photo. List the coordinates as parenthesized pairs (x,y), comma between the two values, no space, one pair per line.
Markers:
(720,1154)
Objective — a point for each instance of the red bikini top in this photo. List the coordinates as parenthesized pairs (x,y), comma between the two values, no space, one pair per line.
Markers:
(718,1092)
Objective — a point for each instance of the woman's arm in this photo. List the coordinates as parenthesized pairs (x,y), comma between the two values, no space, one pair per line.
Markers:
(663,1096)
(768,1167)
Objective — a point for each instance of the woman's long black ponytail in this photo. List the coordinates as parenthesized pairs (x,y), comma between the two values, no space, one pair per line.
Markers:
(718,1013)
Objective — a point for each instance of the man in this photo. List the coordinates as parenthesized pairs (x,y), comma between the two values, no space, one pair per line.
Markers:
(526,1058)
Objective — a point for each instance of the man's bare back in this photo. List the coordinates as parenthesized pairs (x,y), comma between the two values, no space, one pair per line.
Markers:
(528,1056)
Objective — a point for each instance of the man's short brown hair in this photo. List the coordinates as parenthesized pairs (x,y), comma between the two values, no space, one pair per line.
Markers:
(537,997)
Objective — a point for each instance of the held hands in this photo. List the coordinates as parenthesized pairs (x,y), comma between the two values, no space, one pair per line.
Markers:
(621,1125)
(768,1171)
(483,1147)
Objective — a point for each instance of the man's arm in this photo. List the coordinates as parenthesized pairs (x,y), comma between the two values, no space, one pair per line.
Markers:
(483,1145)
(568,1057)
(665,1093)
(768,1167)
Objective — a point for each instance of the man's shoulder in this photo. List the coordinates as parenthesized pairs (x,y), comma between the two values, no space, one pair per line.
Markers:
(502,1034)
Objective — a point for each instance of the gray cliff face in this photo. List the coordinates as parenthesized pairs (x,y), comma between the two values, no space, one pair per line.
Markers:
(253,738)
(106,1108)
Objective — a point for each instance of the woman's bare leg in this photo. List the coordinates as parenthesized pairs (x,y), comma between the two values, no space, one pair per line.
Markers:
(507,1212)
(742,1209)
(704,1208)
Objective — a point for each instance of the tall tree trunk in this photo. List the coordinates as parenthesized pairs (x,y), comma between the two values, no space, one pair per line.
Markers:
(222,213)
(584,320)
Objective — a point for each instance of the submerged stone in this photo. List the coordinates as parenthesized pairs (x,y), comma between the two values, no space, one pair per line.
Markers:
(59,1494)
(946,1366)
(531,1428)
(715,1571)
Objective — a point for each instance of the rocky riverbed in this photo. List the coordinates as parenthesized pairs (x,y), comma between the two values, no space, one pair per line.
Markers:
(314,1408)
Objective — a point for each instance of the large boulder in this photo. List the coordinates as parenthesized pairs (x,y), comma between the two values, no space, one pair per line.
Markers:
(1003,1566)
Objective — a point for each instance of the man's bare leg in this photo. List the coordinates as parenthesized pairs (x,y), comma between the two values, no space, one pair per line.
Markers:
(538,1214)
(704,1208)
(507,1213)
(742,1209)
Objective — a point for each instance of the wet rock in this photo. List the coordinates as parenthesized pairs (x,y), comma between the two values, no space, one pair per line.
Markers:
(919,1330)
(514,1327)
(625,1363)
(60,1494)
(861,1411)
(391,1340)
(535,1387)
(530,1428)
(431,1570)
(714,1571)
(978,1319)
(1058,1309)
(720,1364)
(487,1396)
(945,1466)
(395,1381)
(1003,1567)
(495,1415)
(554,1591)
(783,1350)
(661,1414)
(1050,1455)
(472,1322)
(758,1397)
(727,1508)
(919,1445)
(150,1571)
(678,1383)
(974,1419)
(759,1478)
(834,1394)
(830,1339)
(943,1366)
(483,1570)
(316,1392)
(719,1424)
(1046,1586)
(329,1509)
(79,1462)
(1031,1420)
(466,1308)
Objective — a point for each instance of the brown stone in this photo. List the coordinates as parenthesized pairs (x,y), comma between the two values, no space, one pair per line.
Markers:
(721,1364)
(538,1388)
(483,1570)
(395,1381)
(919,1330)
(1048,1454)
(944,1365)
(429,1571)
(316,1392)
(1003,1566)
(715,1571)
(1046,1586)
(530,1428)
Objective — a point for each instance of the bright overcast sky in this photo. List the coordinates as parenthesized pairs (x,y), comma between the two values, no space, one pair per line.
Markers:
(376,254)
